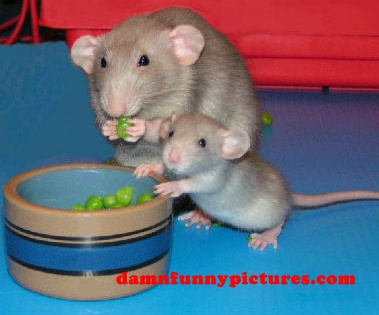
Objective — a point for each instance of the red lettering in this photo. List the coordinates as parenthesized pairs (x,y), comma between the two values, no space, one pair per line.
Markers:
(273,279)
(122,278)
(262,278)
(210,279)
(344,279)
(295,280)
(244,277)
(305,280)
(321,279)
(331,280)
(253,279)
(234,280)
(174,276)
(220,280)
(285,278)
(133,279)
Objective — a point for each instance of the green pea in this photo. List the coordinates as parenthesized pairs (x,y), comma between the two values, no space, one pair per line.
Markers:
(267,119)
(110,201)
(217,224)
(123,123)
(94,203)
(144,198)
(116,206)
(78,207)
(124,196)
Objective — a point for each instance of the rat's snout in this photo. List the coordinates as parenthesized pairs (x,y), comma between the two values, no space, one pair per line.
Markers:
(115,98)
(116,108)
(174,157)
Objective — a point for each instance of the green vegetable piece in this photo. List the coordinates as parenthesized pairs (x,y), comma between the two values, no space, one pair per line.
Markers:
(250,238)
(116,206)
(123,123)
(267,119)
(144,198)
(94,203)
(78,207)
(124,196)
(110,201)
(217,224)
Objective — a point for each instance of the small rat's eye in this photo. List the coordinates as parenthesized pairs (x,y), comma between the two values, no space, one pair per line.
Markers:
(143,61)
(171,133)
(202,143)
(103,63)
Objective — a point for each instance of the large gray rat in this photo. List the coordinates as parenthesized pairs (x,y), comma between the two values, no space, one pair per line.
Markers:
(229,183)
(169,61)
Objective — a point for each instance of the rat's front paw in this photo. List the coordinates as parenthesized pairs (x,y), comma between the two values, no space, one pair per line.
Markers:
(137,130)
(109,129)
(196,217)
(172,189)
(145,169)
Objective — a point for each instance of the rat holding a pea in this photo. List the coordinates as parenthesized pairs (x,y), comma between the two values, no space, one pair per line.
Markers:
(216,166)
(155,64)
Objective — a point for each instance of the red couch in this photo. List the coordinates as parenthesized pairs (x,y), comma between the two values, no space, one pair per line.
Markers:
(286,43)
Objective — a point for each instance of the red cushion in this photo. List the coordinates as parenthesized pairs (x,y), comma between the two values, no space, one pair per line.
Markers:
(285,42)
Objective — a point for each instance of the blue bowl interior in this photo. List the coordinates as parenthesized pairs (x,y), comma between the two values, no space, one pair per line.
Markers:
(64,188)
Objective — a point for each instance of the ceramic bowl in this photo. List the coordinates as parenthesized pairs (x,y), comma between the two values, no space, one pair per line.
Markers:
(79,255)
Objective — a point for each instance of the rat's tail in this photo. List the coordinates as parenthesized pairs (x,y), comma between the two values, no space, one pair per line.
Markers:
(311,201)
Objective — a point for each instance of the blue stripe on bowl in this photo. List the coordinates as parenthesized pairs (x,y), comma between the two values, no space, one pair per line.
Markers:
(90,273)
(88,242)
(95,259)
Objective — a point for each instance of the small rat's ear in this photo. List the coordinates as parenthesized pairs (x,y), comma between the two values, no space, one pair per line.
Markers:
(235,143)
(188,43)
(166,126)
(83,52)
(174,117)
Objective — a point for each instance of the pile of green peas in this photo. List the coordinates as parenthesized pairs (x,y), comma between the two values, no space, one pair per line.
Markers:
(122,198)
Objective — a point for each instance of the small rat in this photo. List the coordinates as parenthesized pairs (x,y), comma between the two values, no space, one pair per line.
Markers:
(229,183)
(168,61)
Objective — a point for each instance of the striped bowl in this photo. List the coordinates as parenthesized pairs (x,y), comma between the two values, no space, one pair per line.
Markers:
(78,255)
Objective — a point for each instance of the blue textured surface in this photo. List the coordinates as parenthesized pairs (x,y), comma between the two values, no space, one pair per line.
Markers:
(320,142)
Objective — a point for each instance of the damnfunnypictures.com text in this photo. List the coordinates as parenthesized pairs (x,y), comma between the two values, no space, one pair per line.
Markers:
(174,278)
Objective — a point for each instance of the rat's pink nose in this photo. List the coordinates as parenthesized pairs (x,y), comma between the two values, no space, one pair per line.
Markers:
(116,104)
(175,157)
(116,110)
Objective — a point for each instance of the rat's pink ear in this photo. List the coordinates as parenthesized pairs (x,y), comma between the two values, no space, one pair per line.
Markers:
(83,52)
(188,43)
(235,143)
(174,117)
(166,126)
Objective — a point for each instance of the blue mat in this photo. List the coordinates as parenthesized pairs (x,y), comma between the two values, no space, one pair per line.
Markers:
(320,142)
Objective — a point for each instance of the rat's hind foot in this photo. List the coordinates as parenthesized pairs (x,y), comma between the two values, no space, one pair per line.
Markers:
(196,217)
(266,238)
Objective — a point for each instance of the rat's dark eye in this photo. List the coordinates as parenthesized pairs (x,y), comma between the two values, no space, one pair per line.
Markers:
(171,133)
(202,143)
(103,63)
(143,61)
